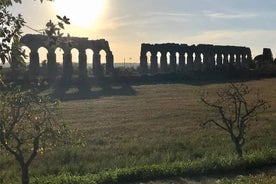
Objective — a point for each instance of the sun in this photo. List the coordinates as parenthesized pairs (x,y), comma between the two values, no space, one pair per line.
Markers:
(82,13)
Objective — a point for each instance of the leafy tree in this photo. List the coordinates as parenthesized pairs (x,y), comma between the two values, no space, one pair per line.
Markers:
(235,107)
(28,126)
(11,30)
(28,123)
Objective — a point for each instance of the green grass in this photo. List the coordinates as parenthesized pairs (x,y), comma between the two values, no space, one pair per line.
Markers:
(157,125)
(194,168)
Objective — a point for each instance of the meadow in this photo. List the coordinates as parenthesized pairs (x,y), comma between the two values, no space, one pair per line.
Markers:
(149,125)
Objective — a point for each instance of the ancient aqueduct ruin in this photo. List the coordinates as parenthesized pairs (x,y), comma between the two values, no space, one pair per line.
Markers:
(154,58)
(34,42)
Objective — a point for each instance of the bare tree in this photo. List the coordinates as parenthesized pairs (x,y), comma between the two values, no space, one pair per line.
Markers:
(235,107)
(28,126)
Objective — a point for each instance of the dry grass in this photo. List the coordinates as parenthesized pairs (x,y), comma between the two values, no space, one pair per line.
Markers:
(159,124)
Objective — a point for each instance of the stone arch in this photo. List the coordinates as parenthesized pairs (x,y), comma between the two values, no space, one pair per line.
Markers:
(103,59)
(177,58)
(59,52)
(43,61)
(42,55)
(59,55)
(194,57)
(27,51)
(89,60)
(168,57)
(148,54)
(216,59)
(186,58)
(75,56)
(222,59)
(159,55)
(201,58)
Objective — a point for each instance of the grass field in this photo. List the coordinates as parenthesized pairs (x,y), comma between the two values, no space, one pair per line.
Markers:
(154,124)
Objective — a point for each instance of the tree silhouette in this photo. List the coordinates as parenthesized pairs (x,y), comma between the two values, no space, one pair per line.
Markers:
(234,109)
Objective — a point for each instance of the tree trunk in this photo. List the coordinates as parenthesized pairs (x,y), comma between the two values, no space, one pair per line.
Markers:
(239,150)
(24,174)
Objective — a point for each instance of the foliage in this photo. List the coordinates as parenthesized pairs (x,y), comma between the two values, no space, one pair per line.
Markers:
(234,111)
(28,126)
(10,32)
(10,35)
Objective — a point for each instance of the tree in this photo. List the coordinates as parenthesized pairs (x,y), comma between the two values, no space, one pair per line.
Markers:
(28,123)
(28,126)
(11,30)
(235,107)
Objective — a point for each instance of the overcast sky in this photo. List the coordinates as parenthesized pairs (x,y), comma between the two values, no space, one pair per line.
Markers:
(128,23)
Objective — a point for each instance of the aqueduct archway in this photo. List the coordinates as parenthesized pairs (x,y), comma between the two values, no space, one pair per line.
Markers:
(78,45)
(176,57)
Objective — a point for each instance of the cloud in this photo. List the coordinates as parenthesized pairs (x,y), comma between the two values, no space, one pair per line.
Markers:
(143,20)
(229,15)
(170,14)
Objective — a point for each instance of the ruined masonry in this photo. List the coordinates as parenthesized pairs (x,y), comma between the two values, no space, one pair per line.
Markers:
(34,42)
(171,57)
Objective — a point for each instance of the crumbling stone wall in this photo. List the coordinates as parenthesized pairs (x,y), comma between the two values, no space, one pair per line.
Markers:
(34,42)
(196,58)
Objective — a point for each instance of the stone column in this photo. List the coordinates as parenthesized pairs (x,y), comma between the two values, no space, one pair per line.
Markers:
(153,63)
(243,60)
(109,63)
(97,68)
(181,61)
(232,59)
(173,62)
(34,63)
(67,65)
(207,62)
(190,62)
(197,63)
(164,63)
(219,60)
(82,64)
(238,59)
(51,64)
(143,64)
(225,60)
(213,61)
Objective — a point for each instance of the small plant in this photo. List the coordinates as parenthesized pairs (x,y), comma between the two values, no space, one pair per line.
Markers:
(234,110)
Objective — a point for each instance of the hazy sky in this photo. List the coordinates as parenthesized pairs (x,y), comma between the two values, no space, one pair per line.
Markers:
(128,23)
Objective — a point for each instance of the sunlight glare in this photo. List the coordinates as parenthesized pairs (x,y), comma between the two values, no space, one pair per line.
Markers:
(82,13)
